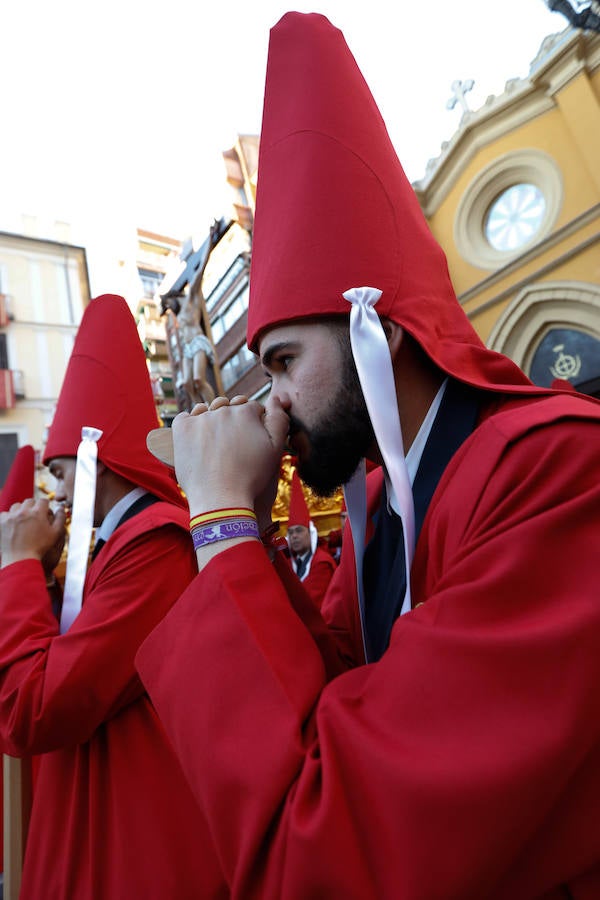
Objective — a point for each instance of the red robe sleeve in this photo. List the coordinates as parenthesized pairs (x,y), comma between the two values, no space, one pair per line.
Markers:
(466,762)
(112,815)
(55,690)
(322,570)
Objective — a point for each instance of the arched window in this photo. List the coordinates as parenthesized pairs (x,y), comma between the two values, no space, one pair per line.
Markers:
(566,353)
(552,330)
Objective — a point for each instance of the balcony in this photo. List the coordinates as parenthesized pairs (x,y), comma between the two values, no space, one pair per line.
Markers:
(19,383)
(7,390)
(6,309)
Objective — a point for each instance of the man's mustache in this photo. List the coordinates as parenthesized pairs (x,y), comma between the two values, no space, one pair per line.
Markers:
(296,426)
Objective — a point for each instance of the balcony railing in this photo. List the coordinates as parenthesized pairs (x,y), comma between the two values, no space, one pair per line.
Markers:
(6,309)
(19,383)
(7,390)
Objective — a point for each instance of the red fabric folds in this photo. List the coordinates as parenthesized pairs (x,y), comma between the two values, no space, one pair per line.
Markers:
(464,764)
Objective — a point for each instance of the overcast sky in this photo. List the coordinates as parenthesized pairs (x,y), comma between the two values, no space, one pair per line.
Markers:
(121,109)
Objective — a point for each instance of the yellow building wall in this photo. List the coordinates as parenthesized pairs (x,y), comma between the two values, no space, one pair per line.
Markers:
(557,115)
(548,133)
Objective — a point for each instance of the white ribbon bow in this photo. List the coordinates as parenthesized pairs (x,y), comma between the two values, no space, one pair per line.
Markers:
(376,374)
(82,523)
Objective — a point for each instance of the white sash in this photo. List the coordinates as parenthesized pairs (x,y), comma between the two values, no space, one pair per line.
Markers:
(82,523)
(376,374)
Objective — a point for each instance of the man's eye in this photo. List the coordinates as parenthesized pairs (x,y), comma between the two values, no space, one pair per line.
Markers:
(278,363)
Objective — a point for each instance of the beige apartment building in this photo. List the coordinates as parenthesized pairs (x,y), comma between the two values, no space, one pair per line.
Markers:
(44,288)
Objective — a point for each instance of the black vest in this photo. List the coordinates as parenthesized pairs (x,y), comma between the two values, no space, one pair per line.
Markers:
(384,575)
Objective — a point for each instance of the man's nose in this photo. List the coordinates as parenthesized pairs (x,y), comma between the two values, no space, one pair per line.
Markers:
(279,394)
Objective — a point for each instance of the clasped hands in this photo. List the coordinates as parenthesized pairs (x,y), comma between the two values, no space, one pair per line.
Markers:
(32,530)
(227,454)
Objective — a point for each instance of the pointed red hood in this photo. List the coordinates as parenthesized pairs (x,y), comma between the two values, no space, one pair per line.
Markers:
(335,211)
(19,484)
(298,514)
(107,386)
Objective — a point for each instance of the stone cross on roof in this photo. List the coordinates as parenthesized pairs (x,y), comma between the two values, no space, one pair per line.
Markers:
(459,89)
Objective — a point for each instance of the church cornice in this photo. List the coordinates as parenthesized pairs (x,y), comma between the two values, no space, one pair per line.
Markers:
(561,58)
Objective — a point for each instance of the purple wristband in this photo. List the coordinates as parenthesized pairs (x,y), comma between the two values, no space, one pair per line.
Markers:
(204,535)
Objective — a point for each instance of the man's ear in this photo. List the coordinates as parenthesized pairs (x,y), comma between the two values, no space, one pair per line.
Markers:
(394,334)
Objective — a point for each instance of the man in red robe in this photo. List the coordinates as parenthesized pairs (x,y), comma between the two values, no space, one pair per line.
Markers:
(112,813)
(313,566)
(18,486)
(435,734)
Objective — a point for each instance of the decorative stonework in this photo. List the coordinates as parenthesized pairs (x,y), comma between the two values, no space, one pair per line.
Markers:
(528,166)
(540,309)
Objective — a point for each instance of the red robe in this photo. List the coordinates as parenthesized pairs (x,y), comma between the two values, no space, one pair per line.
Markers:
(113,816)
(466,762)
(321,571)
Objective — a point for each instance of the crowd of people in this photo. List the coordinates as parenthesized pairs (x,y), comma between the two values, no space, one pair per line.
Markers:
(217,713)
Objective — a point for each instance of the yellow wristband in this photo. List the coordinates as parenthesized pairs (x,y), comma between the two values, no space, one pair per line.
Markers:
(215,515)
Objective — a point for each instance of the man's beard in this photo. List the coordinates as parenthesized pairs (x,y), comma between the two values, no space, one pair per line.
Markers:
(342,437)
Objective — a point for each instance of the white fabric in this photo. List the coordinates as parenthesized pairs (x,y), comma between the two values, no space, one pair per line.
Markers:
(376,374)
(314,537)
(413,457)
(111,519)
(82,523)
(413,460)
(356,500)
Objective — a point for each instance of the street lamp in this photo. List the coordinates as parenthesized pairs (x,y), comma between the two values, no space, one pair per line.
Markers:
(580,14)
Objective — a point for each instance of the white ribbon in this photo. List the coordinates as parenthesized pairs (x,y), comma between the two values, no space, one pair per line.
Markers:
(314,536)
(376,374)
(82,523)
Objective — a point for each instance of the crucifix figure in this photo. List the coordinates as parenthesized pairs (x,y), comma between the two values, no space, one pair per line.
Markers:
(459,89)
(196,349)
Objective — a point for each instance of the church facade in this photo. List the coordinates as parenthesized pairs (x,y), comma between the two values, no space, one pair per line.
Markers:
(514,199)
